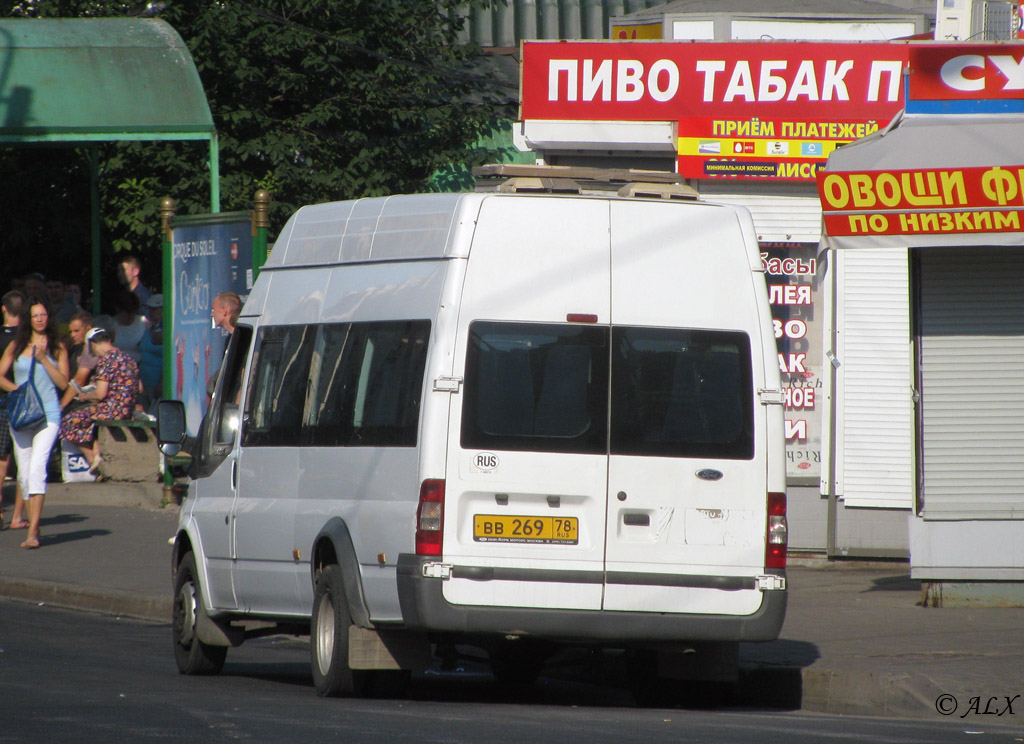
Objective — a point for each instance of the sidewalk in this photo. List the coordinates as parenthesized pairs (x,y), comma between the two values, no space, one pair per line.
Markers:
(863,645)
(112,559)
(855,641)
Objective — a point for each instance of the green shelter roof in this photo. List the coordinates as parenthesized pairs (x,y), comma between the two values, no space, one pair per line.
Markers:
(98,79)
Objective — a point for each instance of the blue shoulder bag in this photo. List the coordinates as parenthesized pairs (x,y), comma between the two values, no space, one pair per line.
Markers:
(25,405)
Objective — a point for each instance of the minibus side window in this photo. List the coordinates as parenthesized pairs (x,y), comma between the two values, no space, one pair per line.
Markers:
(681,393)
(276,403)
(228,390)
(267,365)
(536,387)
(369,384)
(220,425)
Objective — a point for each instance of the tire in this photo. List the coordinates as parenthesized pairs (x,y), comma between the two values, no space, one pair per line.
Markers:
(331,620)
(192,655)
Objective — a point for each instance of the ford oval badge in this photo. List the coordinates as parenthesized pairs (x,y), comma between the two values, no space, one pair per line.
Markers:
(710,474)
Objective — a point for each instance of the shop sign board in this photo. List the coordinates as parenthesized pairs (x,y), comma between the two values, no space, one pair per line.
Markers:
(966,79)
(927,201)
(949,79)
(770,110)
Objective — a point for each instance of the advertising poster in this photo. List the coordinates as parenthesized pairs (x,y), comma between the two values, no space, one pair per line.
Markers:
(646,31)
(211,254)
(794,294)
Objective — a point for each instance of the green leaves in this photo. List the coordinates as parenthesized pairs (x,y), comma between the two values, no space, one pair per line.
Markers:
(313,100)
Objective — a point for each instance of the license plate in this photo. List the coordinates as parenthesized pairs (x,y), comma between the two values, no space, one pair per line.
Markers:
(513,529)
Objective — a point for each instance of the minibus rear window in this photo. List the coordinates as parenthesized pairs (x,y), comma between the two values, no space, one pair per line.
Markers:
(536,387)
(545,388)
(681,393)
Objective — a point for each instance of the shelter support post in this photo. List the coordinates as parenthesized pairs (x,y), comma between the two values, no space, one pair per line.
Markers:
(260,225)
(167,207)
(214,174)
(94,204)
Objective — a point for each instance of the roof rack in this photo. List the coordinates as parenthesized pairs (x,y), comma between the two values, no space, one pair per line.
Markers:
(512,178)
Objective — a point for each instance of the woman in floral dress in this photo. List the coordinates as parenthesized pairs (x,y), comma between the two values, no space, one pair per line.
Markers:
(117,384)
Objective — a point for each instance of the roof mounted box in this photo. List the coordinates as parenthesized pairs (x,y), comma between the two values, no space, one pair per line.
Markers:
(632,182)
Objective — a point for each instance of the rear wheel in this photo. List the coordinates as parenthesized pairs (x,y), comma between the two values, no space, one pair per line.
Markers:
(329,639)
(192,655)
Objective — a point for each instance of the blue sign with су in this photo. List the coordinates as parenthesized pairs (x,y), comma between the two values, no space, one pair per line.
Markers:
(208,258)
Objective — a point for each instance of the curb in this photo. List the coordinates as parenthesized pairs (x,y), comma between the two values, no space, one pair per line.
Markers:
(72,597)
(865,693)
(823,690)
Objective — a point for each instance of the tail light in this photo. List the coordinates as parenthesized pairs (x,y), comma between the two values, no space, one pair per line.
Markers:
(430,518)
(778,532)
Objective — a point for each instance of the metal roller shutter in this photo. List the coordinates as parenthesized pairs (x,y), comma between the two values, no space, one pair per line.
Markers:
(782,212)
(874,409)
(972,382)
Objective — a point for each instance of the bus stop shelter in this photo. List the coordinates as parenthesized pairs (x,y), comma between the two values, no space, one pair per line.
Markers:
(83,82)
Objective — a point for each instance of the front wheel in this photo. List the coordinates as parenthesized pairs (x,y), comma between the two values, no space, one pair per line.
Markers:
(332,676)
(192,655)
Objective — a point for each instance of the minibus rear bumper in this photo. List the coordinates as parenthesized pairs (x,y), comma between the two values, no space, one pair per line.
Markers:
(425,608)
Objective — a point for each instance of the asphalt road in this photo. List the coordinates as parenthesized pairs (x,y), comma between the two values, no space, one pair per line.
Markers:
(76,677)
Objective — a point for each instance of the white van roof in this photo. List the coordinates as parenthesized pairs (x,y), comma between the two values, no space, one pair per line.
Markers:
(390,228)
(377,229)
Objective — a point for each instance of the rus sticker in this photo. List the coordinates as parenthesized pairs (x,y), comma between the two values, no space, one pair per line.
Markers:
(484,462)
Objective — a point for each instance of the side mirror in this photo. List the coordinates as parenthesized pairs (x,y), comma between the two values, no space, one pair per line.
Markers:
(170,426)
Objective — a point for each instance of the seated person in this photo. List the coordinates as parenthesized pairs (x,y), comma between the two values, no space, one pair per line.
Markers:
(83,361)
(117,386)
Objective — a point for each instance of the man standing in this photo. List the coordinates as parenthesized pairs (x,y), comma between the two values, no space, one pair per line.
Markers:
(224,310)
(61,305)
(12,304)
(129,271)
(34,285)
(55,292)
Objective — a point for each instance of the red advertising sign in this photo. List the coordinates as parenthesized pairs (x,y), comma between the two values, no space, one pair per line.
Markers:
(744,109)
(923,202)
(966,72)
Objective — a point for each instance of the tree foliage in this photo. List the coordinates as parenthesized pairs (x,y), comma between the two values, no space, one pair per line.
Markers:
(314,100)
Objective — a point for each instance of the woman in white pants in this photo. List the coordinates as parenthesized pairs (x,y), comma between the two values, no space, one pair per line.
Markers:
(36,337)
